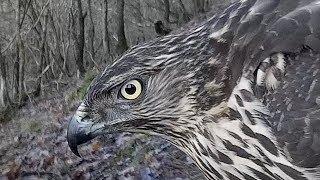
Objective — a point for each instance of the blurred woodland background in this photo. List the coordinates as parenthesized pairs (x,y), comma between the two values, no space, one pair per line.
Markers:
(50,52)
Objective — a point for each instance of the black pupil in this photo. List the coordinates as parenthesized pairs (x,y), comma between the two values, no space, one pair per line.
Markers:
(130,89)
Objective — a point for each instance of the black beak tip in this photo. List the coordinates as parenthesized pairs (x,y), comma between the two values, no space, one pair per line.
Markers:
(77,134)
(72,137)
(73,147)
(75,151)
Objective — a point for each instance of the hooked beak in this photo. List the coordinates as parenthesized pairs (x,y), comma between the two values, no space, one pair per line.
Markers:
(81,129)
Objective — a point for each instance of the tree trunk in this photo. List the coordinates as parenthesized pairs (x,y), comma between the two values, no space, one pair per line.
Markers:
(186,16)
(19,64)
(80,40)
(16,78)
(43,57)
(106,38)
(166,11)
(57,47)
(199,6)
(91,35)
(22,94)
(122,41)
(17,59)
(139,17)
(4,94)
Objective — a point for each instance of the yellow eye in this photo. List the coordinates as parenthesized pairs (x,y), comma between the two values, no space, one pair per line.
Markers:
(131,90)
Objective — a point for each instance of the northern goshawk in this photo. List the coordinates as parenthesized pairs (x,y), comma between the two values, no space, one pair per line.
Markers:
(239,92)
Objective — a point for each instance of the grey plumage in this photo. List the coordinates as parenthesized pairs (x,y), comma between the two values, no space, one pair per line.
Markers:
(239,92)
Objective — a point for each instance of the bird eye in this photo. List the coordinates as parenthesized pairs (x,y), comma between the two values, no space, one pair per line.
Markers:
(131,90)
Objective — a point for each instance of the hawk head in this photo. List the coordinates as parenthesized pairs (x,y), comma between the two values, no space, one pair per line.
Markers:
(160,88)
(177,87)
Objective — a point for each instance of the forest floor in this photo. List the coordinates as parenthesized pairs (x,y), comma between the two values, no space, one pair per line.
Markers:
(33,145)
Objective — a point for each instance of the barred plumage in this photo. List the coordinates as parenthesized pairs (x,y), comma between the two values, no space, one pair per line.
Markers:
(239,92)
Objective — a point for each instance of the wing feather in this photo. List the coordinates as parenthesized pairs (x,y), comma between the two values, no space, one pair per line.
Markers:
(289,27)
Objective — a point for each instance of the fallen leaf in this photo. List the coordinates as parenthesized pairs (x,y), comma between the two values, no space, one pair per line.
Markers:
(96,146)
(14,171)
(48,161)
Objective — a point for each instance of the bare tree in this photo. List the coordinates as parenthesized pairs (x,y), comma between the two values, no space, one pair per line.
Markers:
(91,35)
(106,37)
(166,11)
(80,39)
(4,94)
(43,57)
(186,16)
(19,64)
(52,36)
(199,6)
(57,53)
(17,59)
(122,45)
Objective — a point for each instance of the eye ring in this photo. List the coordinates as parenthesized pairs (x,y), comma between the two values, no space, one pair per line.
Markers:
(131,90)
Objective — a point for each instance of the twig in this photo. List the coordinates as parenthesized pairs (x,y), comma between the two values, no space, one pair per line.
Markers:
(94,62)
(38,173)
(33,26)
(9,44)
(39,17)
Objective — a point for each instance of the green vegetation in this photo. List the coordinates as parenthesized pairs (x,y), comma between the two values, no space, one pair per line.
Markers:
(34,126)
(80,92)
(133,150)
(125,153)
(6,114)
(31,126)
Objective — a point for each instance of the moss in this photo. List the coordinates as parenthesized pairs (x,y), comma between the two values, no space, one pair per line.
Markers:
(31,126)
(133,150)
(81,91)
(125,153)
(6,114)
(138,156)
(122,154)
(34,127)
